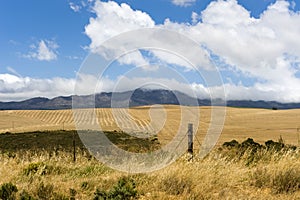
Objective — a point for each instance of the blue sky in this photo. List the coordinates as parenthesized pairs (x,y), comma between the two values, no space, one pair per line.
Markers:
(252,43)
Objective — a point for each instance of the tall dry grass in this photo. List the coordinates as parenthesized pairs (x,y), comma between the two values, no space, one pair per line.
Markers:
(274,175)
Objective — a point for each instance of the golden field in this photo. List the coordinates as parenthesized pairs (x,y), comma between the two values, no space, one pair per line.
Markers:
(240,123)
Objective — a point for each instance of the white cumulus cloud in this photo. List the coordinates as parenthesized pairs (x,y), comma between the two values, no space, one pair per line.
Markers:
(114,19)
(44,51)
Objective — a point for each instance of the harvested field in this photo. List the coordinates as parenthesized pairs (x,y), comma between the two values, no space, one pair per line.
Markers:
(240,123)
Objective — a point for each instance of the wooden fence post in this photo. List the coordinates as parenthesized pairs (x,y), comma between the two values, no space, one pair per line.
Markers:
(298,134)
(74,147)
(190,139)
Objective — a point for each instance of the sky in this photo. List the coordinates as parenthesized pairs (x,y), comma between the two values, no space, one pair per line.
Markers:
(253,45)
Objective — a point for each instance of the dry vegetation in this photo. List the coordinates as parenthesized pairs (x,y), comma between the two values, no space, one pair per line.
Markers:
(271,175)
(232,172)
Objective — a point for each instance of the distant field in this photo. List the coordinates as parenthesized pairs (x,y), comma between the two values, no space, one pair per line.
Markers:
(241,123)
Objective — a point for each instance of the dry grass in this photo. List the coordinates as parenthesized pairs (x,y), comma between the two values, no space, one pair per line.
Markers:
(215,177)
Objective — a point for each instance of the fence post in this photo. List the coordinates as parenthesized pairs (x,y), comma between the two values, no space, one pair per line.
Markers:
(74,148)
(190,139)
(298,134)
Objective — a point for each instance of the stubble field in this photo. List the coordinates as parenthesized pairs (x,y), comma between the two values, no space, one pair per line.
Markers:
(240,123)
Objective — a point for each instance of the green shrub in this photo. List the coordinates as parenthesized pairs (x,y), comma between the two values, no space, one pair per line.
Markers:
(231,144)
(100,195)
(246,146)
(249,144)
(125,189)
(8,191)
(252,152)
(275,146)
(45,192)
(248,151)
(279,146)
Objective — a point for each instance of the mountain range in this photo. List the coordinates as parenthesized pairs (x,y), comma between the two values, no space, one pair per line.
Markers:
(139,97)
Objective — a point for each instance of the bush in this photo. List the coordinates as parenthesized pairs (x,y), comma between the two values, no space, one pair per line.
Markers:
(125,189)
(275,146)
(8,191)
(279,146)
(250,145)
(252,152)
(231,144)
(45,192)
(248,150)
(100,195)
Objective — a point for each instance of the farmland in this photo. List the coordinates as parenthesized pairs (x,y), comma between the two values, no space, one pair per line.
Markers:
(259,124)
(36,156)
